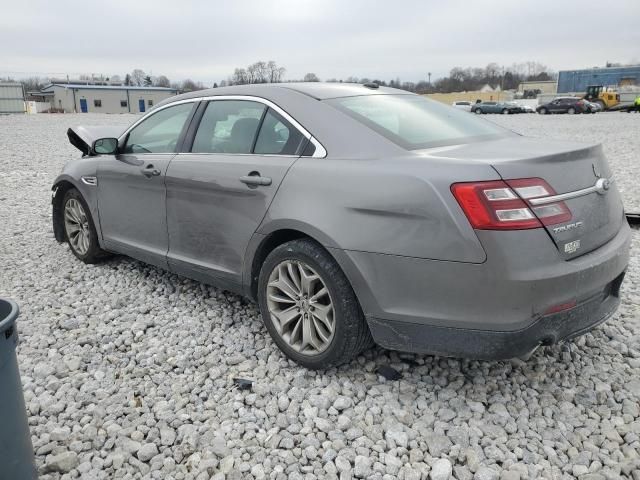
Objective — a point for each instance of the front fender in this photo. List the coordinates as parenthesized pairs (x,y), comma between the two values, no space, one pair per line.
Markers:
(82,175)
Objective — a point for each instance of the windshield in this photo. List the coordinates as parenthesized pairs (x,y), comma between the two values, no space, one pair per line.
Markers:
(414,122)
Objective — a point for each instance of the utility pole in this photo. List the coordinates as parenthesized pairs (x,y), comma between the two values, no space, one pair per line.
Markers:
(429,79)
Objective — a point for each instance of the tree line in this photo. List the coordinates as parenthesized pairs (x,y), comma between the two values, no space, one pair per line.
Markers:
(459,78)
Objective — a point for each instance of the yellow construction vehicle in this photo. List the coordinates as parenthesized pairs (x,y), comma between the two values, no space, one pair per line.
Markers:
(605,96)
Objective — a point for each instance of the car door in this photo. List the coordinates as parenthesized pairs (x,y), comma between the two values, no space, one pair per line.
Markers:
(556,106)
(131,185)
(218,192)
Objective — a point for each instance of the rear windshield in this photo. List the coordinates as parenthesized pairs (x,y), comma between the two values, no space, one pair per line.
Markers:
(414,122)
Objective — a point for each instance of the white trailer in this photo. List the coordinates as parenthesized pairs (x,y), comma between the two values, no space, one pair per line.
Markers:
(11,98)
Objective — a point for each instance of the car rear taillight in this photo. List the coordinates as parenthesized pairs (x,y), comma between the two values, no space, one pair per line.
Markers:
(504,205)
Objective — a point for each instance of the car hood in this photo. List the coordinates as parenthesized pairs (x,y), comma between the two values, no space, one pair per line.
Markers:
(83,137)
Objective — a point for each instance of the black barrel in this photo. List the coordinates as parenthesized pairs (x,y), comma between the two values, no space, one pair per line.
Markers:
(16,450)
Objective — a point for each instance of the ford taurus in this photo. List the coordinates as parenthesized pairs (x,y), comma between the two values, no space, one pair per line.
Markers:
(356,214)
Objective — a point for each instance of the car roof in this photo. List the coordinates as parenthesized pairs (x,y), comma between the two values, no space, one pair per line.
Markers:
(317,90)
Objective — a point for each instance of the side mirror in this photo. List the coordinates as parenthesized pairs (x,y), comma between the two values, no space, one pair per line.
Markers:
(106,146)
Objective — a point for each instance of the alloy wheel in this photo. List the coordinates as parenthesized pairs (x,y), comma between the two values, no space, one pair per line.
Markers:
(76,225)
(301,308)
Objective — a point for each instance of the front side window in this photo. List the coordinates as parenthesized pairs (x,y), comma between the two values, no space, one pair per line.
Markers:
(228,126)
(414,122)
(159,133)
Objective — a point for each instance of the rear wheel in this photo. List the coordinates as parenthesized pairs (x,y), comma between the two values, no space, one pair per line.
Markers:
(571,111)
(505,111)
(309,307)
(79,229)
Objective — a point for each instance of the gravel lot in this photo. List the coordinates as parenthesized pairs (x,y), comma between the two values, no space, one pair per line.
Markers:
(128,369)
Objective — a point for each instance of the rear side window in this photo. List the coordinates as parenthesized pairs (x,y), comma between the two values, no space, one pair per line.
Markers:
(414,122)
(159,133)
(243,127)
(277,136)
(228,126)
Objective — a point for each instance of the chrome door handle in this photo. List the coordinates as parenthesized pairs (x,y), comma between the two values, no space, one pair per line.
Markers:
(150,171)
(255,180)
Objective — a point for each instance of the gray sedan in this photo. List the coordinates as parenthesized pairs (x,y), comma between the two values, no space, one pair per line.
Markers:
(355,214)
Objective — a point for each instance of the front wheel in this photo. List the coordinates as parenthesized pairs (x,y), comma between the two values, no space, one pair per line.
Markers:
(309,307)
(505,111)
(79,229)
(477,111)
(543,111)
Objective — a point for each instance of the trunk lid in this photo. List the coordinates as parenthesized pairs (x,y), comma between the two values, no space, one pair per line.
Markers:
(569,168)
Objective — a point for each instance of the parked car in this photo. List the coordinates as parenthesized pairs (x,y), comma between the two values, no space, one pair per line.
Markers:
(355,214)
(592,107)
(495,107)
(568,105)
(514,107)
(462,105)
(527,108)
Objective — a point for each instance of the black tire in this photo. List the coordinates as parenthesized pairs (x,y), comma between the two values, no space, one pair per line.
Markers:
(571,111)
(351,332)
(94,253)
(543,111)
(505,111)
(478,111)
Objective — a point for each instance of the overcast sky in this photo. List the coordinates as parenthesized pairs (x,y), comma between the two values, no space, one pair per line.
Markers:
(206,39)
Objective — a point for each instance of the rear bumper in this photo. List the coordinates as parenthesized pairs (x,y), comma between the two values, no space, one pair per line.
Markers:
(492,310)
(498,345)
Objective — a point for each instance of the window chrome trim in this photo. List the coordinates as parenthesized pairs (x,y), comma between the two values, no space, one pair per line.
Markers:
(320,152)
(598,187)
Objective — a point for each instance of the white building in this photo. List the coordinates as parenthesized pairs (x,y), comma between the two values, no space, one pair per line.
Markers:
(80,98)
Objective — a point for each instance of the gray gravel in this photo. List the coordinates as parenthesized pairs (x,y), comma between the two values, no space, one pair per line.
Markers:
(618,132)
(128,369)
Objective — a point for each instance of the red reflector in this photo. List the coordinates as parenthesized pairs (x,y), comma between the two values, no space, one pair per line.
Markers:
(560,307)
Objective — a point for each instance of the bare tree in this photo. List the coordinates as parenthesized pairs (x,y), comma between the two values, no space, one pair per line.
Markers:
(252,73)
(137,77)
(272,71)
(189,85)
(311,77)
(239,77)
(162,81)
(33,84)
(258,72)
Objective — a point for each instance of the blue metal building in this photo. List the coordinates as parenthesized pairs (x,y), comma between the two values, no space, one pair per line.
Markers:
(579,80)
